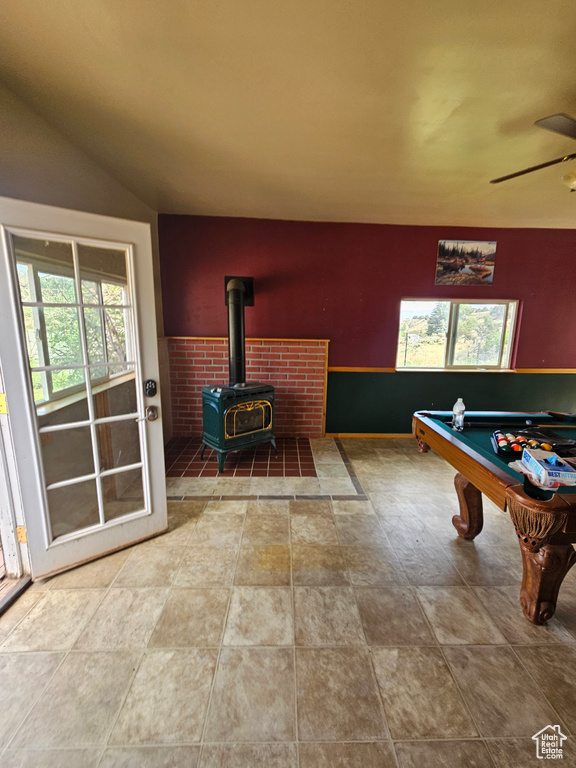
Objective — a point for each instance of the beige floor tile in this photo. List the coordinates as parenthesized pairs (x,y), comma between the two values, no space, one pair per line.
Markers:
(480,564)
(51,758)
(263,565)
(182,519)
(376,754)
(521,753)
(352,507)
(420,697)
(23,677)
(373,566)
(267,486)
(554,669)
(503,606)
(150,566)
(458,617)
(79,706)
(150,757)
(191,486)
(443,754)
(503,699)
(310,507)
(253,696)
(249,756)
(233,486)
(302,485)
(260,616)
(337,696)
(392,616)
(266,529)
(185,510)
(326,616)
(224,507)
(313,529)
(324,449)
(268,508)
(191,617)
(331,470)
(319,565)
(10,619)
(217,530)
(124,619)
(360,529)
(207,567)
(429,565)
(337,486)
(55,622)
(97,574)
(168,699)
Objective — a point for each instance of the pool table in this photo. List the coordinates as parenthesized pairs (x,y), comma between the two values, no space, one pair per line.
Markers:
(545,521)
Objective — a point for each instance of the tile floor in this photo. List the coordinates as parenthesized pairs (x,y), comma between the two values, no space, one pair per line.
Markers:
(346,630)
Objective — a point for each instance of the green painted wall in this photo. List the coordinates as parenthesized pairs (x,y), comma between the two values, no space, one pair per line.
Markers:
(384,402)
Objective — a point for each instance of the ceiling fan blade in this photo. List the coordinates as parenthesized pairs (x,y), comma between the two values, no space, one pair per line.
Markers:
(534,168)
(563,124)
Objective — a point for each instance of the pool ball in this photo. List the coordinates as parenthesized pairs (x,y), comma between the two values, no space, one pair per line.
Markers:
(505,448)
(533,443)
(546,446)
(510,436)
(516,447)
(521,439)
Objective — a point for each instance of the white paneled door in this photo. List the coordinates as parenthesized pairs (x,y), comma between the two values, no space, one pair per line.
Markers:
(78,351)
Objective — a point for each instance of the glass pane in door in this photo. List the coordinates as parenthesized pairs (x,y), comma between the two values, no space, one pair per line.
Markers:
(73,507)
(119,395)
(66,453)
(78,323)
(125,494)
(119,443)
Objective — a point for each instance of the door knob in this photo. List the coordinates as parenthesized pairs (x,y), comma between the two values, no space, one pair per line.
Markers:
(150,414)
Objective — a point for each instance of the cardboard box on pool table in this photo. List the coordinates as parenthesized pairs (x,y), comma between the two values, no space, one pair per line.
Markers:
(548,468)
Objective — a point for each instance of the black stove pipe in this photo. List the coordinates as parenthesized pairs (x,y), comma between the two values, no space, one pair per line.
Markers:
(236,346)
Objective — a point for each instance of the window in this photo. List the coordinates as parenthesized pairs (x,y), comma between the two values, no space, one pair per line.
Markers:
(456,334)
(53,312)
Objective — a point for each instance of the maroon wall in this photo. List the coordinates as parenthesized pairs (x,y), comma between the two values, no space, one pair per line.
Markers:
(344,282)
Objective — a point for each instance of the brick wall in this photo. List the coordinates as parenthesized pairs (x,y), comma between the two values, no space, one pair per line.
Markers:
(296,368)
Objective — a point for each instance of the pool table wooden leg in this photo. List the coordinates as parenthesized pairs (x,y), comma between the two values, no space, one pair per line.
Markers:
(471,518)
(543,573)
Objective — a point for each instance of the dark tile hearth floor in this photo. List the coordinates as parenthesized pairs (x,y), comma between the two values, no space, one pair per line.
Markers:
(292,459)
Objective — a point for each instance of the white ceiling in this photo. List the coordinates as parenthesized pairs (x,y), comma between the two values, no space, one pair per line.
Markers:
(395,111)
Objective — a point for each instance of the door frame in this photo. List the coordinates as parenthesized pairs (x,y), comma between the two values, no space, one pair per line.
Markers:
(45,221)
(10,506)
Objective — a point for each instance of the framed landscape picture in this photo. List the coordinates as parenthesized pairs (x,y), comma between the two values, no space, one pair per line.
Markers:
(465,262)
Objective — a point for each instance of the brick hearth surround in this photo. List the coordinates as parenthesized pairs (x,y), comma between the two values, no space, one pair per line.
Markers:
(297,368)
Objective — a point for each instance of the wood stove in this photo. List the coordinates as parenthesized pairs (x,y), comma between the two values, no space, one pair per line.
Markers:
(241,414)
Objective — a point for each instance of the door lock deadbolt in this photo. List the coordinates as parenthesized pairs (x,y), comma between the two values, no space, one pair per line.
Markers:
(150,388)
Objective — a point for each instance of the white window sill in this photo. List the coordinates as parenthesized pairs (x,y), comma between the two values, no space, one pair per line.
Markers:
(455,370)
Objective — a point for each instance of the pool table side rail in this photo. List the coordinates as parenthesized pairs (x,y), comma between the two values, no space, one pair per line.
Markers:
(489,478)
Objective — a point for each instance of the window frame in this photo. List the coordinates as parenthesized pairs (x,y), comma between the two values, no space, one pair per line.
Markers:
(512,307)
